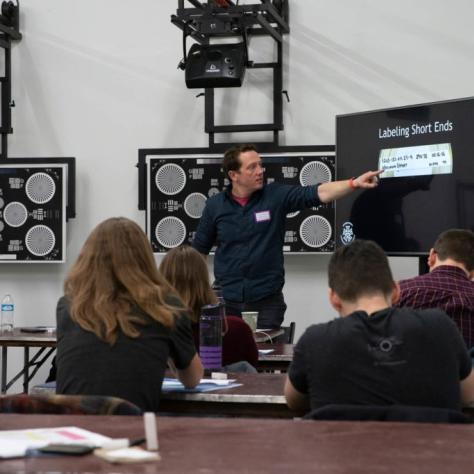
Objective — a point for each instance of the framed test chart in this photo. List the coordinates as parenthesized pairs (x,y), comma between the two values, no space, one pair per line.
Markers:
(32,212)
(176,184)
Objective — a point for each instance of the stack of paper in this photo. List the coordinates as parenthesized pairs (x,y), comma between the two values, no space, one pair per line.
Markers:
(205,385)
(265,351)
(15,443)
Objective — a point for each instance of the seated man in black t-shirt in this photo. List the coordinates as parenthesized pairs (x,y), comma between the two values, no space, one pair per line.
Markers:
(376,354)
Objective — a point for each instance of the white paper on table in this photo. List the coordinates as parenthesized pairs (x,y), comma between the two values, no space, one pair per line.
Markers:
(220,382)
(14,443)
(265,351)
(175,383)
(13,449)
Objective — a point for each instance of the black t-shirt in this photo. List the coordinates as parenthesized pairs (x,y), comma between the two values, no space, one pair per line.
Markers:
(395,356)
(132,369)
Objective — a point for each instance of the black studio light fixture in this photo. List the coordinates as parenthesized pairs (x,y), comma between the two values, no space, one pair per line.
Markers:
(10,15)
(220,64)
(216,65)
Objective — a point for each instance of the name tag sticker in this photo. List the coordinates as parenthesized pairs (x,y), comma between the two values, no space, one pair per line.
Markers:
(262,216)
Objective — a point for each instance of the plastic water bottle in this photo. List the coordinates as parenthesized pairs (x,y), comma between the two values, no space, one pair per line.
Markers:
(218,292)
(220,299)
(210,336)
(8,311)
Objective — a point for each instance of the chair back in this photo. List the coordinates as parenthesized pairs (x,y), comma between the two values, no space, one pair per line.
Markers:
(290,332)
(288,336)
(67,405)
(408,413)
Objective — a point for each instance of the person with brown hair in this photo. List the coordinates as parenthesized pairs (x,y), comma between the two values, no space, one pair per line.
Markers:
(119,321)
(186,270)
(375,354)
(246,222)
(448,285)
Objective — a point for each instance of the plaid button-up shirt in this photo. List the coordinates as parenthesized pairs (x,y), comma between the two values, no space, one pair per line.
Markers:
(448,288)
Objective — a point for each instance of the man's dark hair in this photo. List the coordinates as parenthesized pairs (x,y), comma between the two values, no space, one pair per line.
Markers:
(359,269)
(458,245)
(231,160)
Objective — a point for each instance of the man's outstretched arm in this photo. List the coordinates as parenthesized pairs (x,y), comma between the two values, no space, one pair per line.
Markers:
(331,191)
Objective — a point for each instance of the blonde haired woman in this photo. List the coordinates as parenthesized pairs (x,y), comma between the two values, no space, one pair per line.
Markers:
(186,269)
(119,321)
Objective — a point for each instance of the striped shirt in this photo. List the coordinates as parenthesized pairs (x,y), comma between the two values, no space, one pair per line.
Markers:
(446,287)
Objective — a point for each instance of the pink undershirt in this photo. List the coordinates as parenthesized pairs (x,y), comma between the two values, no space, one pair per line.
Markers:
(241,201)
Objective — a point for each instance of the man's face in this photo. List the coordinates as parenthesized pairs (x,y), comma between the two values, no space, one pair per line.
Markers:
(249,177)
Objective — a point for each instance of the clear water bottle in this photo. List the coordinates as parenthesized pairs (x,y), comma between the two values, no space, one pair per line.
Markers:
(220,299)
(210,336)
(218,292)
(8,311)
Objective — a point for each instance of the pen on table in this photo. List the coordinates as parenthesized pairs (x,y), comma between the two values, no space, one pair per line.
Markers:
(137,441)
(122,443)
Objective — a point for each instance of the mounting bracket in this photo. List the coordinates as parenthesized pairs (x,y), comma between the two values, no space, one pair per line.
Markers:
(224,19)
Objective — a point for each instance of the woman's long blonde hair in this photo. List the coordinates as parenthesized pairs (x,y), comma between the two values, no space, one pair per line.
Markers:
(114,275)
(186,270)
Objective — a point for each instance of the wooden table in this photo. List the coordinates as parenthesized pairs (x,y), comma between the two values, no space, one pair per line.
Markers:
(234,446)
(46,342)
(261,395)
(277,360)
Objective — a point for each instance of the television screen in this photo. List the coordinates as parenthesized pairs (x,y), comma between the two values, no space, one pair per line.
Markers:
(427,154)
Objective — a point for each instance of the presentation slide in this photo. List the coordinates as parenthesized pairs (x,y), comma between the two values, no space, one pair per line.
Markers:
(416,160)
(427,154)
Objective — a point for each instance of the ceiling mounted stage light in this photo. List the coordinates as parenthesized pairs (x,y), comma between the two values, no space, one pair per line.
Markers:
(9,14)
(216,65)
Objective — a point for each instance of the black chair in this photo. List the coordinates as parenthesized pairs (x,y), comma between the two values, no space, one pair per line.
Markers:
(388,413)
(287,337)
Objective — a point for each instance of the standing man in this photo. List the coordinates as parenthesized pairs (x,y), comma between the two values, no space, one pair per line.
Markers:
(375,354)
(247,223)
(449,284)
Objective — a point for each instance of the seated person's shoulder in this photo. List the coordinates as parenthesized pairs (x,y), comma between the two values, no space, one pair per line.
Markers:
(238,329)
(431,318)
(180,317)
(63,303)
(234,322)
(174,300)
(320,332)
(429,314)
(63,317)
(408,284)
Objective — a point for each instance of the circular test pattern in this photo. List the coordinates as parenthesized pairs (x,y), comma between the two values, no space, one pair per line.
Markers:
(170,232)
(315,231)
(15,214)
(314,172)
(40,188)
(40,240)
(170,179)
(194,205)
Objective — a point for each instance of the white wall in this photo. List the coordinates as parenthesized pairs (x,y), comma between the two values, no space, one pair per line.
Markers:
(97,79)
